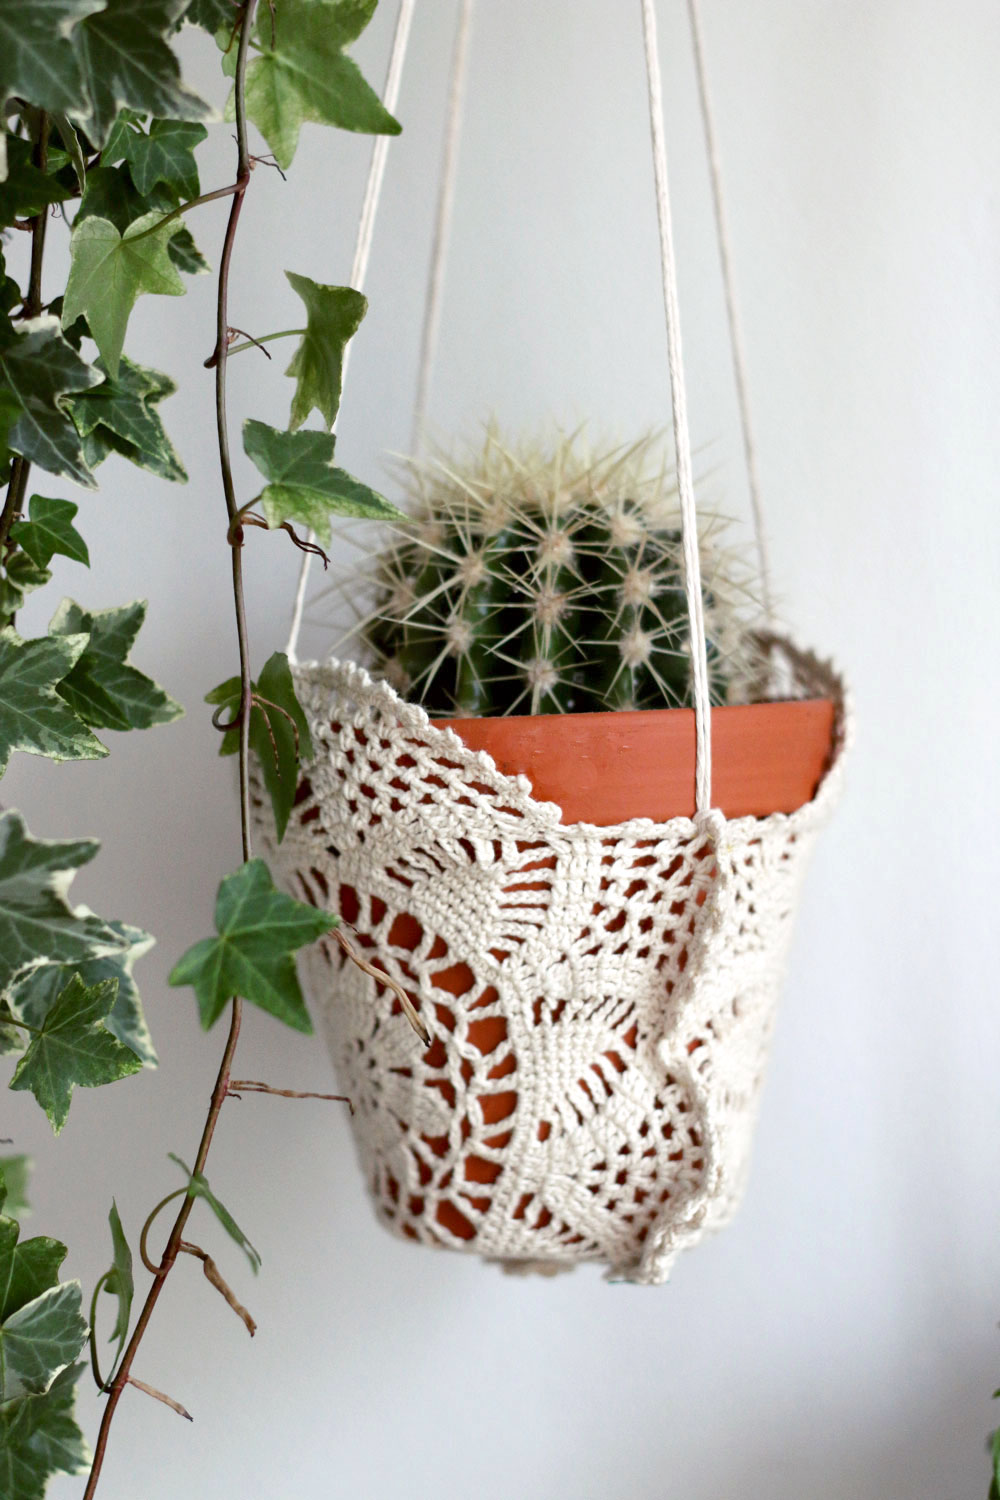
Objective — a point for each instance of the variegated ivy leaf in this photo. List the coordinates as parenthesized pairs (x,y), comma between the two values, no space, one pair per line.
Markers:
(110,270)
(33,715)
(101,685)
(74,1047)
(39,369)
(37,57)
(49,529)
(303,73)
(333,317)
(33,995)
(119,416)
(35,917)
(39,1437)
(126,59)
(305,484)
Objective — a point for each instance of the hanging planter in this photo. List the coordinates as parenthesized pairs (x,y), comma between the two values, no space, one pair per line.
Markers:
(585,894)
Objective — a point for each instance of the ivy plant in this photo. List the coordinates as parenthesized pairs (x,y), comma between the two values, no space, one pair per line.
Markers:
(100,141)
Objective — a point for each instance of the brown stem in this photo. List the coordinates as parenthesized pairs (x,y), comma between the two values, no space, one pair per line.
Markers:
(251,1086)
(123,1376)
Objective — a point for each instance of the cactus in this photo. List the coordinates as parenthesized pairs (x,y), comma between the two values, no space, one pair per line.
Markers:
(551,582)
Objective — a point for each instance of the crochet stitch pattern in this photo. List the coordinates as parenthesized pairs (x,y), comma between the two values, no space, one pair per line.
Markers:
(600,998)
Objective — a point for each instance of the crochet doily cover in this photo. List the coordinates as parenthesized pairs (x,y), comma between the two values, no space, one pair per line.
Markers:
(600,999)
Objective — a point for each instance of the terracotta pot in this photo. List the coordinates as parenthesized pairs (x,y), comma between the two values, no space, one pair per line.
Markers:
(606,768)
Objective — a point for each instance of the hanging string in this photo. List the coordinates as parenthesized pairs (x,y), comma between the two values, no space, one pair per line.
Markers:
(735,330)
(682,437)
(442,227)
(362,255)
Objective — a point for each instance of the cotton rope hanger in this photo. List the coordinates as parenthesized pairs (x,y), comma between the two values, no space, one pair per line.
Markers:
(682,443)
(362,256)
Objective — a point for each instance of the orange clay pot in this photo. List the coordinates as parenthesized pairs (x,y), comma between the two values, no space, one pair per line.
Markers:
(605,768)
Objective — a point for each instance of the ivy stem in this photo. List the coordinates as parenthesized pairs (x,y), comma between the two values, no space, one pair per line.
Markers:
(265,338)
(182,208)
(20,467)
(122,1376)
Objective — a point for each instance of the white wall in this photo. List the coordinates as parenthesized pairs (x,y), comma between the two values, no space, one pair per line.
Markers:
(840,1339)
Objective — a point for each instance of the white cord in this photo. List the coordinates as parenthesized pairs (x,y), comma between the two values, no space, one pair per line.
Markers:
(362,255)
(442,226)
(735,330)
(682,439)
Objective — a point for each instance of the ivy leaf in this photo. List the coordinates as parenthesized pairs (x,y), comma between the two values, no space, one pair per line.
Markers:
(305,75)
(333,317)
(74,1047)
(118,416)
(74,151)
(12,1038)
(37,60)
(279,733)
(198,1188)
(21,575)
(39,1437)
(109,271)
(40,1340)
(40,369)
(33,715)
(32,996)
(125,59)
(35,917)
(259,929)
(27,1267)
(102,687)
(165,155)
(213,15)
(119,1281)
(304,484)
(14,1174)
(185,253)
(50,530)
(26,190)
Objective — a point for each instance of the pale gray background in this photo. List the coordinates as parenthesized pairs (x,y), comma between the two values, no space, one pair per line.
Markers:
(840,1339)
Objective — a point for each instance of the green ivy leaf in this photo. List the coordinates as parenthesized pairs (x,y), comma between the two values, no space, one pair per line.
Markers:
(119,1281)
(33,995)
(35,917)
(213,15)
(165,155)
(37,60)
(74,151)
(109,271)
(279,733)
(33,715)
(306,76)
(27,1267)
(39,1437)
(118,416)
(14,1174)
(12,1038)
(74,1047)
(102,687)
(26,190)
(40,1340)
(50,530)
(333,317)
(125,59)
(259,929)
(198,1188)
(40,369)
(21,575)
(185,253)
(305,485)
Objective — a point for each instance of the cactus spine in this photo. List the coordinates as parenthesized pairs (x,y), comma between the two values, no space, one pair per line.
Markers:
(551,582)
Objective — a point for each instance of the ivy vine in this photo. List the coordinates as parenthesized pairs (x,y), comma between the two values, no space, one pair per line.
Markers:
(100,137)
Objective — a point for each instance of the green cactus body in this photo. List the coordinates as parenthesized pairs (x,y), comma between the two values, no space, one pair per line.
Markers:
(552,584)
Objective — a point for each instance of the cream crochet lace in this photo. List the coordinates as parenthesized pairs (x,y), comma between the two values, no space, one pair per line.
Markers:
(600,999)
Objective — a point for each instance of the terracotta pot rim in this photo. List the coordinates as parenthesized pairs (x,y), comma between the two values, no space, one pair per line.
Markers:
(623,716)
